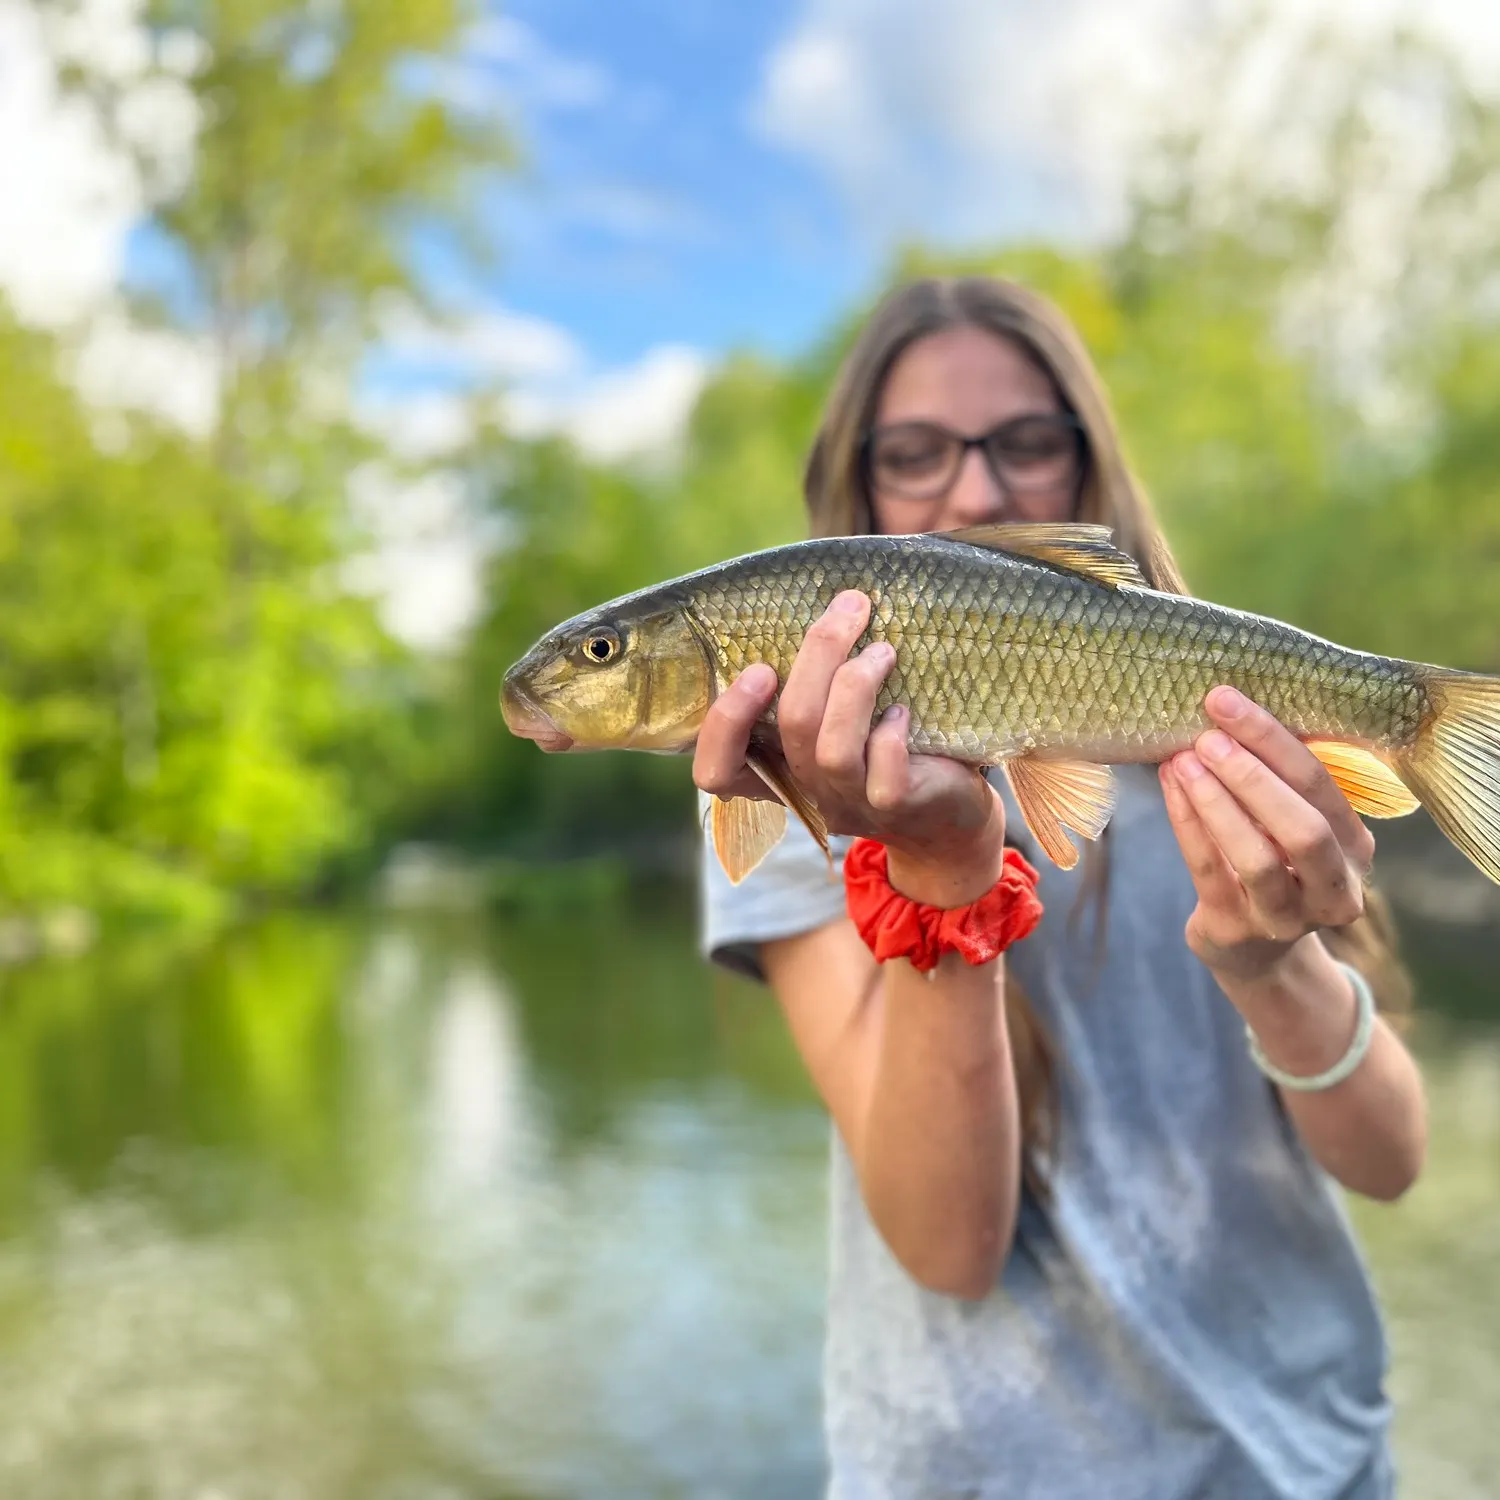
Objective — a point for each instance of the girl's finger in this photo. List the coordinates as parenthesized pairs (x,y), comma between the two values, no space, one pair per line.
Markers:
(724,739)
(1295,765)
(1275,897)
(1330,887)
(1216,883)
(887,760)
(825,648)
(840,752)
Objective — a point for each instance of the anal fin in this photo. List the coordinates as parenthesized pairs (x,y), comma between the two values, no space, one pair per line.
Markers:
(1370,785)
(1055,795)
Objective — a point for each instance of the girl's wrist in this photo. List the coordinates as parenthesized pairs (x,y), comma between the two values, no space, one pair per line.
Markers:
(1288,998)
(1263,971)
(953,877)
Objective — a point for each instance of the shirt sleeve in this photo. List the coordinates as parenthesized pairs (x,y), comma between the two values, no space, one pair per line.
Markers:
(791,891)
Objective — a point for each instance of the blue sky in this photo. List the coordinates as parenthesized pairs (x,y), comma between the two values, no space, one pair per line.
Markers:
(701,177)
(652,211)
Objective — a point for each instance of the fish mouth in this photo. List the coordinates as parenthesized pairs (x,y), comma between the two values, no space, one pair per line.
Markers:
(527,720)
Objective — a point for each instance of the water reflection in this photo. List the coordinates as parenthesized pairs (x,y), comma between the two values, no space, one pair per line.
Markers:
(439,1207)
(477,1095)
(405,1208)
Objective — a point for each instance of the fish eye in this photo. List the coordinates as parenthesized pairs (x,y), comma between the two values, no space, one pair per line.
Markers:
(601,646)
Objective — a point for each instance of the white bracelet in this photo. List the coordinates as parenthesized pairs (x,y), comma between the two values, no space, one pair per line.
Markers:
(1364,1030)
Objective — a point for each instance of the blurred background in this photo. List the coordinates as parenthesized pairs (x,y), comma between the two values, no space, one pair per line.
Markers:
(368,1124)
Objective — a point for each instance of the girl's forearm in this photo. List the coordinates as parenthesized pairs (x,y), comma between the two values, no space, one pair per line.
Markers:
(1370,1131)
(940,1163)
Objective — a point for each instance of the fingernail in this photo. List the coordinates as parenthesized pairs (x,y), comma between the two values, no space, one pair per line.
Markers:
(1215,745)
(881,651)
(894,714)
(850,602)
(1230,703)
(757,677)
(1188,767)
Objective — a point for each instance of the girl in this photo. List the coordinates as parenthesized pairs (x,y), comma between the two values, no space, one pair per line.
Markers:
(1084,1237)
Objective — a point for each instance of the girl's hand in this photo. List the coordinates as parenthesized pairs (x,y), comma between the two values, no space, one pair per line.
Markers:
(941,820)
(1273,846)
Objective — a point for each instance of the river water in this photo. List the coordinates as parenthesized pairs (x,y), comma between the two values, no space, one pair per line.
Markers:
(445,1206)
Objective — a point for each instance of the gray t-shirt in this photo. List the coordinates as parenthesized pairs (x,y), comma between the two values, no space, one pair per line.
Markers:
(1187,1319)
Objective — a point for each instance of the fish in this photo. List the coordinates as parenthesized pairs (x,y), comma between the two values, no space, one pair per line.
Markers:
(1037,649)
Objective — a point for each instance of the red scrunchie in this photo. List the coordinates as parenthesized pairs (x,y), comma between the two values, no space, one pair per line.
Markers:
(895,926)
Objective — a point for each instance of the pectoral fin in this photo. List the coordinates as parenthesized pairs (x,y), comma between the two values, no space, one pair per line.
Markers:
(746,829)
(1370,785)
(772,769)
(1055,795)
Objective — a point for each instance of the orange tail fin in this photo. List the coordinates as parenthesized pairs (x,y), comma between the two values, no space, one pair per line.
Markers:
(1454,767)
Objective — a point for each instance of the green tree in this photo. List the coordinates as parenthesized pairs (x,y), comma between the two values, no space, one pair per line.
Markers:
(195,697)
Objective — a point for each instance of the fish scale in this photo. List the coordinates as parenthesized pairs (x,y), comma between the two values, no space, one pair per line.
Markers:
(997,655)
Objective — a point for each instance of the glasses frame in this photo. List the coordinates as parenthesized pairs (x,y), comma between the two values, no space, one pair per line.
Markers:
(1061,419)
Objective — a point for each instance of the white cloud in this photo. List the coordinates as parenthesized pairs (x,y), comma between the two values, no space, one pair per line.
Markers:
(636,410)
(427,555)
(419,427)
(629,212)
(428,545)
(429,549)
(481,345)
(502,62)
(949,118)
(542,76)
(968,118)
(119,366)
(70,195)
(550,385)
(68,198)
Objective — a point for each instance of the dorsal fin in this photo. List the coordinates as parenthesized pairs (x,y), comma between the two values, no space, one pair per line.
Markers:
(1077,547)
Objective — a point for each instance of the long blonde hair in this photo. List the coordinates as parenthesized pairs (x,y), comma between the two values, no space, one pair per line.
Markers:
(839,504)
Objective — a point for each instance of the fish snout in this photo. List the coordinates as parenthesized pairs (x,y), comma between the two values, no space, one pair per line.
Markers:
(527,720)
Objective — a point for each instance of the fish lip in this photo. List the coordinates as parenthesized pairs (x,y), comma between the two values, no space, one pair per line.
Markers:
(528,720)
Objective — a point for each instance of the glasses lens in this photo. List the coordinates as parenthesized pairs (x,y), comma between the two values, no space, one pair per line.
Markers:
(1035,453)
(912,458)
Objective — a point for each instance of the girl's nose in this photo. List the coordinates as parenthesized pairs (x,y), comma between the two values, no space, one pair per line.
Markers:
(976,496)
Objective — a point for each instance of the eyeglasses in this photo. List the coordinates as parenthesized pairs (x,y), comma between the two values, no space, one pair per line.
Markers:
(921,460)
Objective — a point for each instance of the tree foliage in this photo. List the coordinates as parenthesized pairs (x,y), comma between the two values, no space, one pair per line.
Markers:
(195,699)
